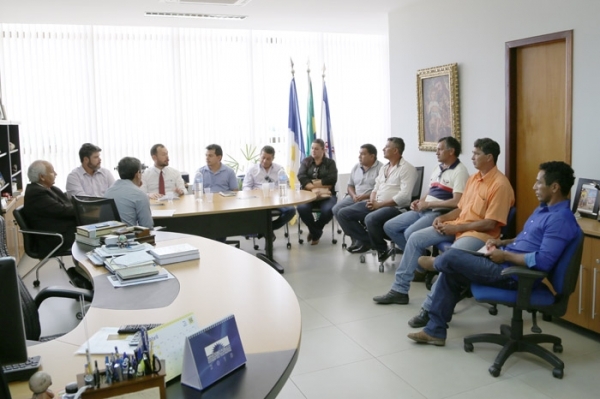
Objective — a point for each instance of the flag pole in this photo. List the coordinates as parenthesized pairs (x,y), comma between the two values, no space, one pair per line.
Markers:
(292,64)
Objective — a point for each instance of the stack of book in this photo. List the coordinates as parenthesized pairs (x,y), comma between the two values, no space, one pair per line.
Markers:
(175,253)
(92,234)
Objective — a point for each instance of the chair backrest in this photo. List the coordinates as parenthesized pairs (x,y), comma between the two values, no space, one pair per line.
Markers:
(89,210)
(28,239)
(416,192)
(510,222)
(564,275)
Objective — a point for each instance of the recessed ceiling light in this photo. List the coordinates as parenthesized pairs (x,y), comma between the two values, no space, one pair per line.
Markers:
(195,15)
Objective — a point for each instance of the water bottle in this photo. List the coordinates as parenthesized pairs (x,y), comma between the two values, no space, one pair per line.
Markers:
(282,180)
(198,186)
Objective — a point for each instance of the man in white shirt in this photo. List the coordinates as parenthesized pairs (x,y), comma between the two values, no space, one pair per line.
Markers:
(267,172)
(89,179)
(161,179)
(392,192)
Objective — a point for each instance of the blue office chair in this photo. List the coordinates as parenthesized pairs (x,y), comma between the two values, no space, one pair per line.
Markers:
(533,298)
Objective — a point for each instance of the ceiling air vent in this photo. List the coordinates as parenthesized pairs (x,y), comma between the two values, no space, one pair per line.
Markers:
(211,2)
(195,15)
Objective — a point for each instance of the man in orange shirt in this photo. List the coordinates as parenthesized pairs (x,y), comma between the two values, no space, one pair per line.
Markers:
(482,211)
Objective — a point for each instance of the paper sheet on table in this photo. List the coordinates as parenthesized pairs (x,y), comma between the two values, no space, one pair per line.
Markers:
(162,213)
(105,341)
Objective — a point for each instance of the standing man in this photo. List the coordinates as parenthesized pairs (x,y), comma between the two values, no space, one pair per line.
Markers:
(47,208)
(392,192)
(89,179)
(267,172)
(161,179)
(544,238)
(361,182)
(446,185)
(132,203)
(482,211)
(215,175)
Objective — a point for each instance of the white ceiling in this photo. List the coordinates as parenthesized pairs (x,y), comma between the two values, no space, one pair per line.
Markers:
(349,16)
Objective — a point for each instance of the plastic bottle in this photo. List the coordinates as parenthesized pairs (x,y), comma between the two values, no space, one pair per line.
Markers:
(198,186)
(282,180)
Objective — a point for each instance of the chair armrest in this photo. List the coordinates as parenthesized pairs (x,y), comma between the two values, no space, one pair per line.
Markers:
(62,292)
(526,280)
(39,232)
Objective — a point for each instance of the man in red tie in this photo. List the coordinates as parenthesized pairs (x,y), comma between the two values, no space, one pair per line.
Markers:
(161,179)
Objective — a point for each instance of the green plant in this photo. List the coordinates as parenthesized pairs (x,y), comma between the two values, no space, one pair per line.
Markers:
(250,154)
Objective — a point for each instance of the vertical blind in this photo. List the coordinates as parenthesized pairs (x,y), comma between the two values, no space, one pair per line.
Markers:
(127,88)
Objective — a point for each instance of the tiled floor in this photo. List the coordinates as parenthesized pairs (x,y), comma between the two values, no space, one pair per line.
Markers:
(353,348)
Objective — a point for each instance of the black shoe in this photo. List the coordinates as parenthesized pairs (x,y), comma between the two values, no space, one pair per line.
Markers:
(383,255)
(392,297)
(419,320)
(419,277)
(359,250)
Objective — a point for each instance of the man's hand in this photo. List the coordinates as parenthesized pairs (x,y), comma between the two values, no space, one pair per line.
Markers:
(413,205)
(419,205)
(497,255)
(355,197)
(447,229)
(179,191)
(154,196)
(493,243)
(373,205)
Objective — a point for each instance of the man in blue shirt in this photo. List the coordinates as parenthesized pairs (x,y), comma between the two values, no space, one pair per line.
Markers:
(215,175)
(545,235)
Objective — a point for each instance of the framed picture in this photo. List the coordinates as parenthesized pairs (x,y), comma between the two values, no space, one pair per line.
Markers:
(586,198)
(437,94)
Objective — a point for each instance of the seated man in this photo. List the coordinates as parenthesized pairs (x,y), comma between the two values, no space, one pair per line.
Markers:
(361,182)
(392,192)
(215,175)
(89,179)
(47,208)
(132,203)
(482,210)
(446,185)
(161,179)
(318,173)
(545,236)
(267,172)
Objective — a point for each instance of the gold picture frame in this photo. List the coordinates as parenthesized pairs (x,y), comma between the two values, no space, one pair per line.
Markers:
(437,94)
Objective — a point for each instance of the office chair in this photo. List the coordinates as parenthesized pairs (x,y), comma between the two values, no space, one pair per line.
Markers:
(531,298)
(286,230)
(31,250)
(416,194)
(90,210)
(316,211)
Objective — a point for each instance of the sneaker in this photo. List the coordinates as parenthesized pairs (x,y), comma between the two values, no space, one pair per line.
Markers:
(423,338)
(419,320)
(383,255)
(392,297)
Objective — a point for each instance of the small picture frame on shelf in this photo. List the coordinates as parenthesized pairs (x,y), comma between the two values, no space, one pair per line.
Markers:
(586,198)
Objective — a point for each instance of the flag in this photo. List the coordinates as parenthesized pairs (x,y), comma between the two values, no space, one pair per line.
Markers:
(326,134)
(311,129)
(295,140)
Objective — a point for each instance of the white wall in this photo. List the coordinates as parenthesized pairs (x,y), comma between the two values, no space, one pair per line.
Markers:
(473,33)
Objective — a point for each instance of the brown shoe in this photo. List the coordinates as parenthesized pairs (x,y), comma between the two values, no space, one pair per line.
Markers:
(314,242)
(426,262)
(423,338)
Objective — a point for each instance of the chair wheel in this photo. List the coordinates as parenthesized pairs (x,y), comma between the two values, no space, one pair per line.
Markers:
(468,347)
(300,231)
(494,370)
(286,235)
(256,247)
(362,259)
(300,241)
(381,268)
(79,316)
(557,348)
(558,373)
(339,231)
(493,311)
(344,246)
(334,241)
(36,283)
(289,246)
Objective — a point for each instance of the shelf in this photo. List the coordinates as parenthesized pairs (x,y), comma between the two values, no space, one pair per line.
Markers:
(3,154)
(5,186)
(15,174)
(15,150)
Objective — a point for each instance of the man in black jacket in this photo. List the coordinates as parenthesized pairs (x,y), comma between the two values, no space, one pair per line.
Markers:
(47,208)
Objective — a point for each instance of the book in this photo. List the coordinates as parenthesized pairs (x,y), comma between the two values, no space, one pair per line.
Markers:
(94,242)
(99,229)
(176,259)
(162,275)
(107,251)
(174,251)
(212,353)
(129,273)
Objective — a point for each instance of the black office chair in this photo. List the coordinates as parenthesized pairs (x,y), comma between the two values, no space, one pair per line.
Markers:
(286,232)
(90,210)
(531,298)
(31,250)
(316,211)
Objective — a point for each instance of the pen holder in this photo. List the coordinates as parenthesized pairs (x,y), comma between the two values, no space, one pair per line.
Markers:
(154,381)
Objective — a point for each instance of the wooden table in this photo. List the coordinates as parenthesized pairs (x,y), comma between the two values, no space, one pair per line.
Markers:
(224,281)
(246,213)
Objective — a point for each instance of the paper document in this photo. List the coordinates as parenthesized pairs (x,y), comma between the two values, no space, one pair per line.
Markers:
(480,252)
(116,282)
(162,213)
(105,341)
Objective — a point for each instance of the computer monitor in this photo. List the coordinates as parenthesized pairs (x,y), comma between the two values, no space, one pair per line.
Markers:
(13,344)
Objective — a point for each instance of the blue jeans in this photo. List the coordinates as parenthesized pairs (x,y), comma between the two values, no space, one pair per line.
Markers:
(315,227)
(350,217)
(346,201)
(402,226)
(458,269)
(287,214)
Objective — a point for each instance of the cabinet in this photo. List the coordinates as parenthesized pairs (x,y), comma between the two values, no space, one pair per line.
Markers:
(14,239)
(584,304)
(10,159)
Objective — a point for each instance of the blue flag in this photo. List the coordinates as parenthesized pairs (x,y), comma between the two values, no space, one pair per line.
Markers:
(326,133)
(295,139)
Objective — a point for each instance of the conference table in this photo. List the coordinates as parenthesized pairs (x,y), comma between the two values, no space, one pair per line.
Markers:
(223,281)
(248,212)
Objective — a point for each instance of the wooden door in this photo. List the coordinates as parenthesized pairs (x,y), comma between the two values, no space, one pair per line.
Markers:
(538,111)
